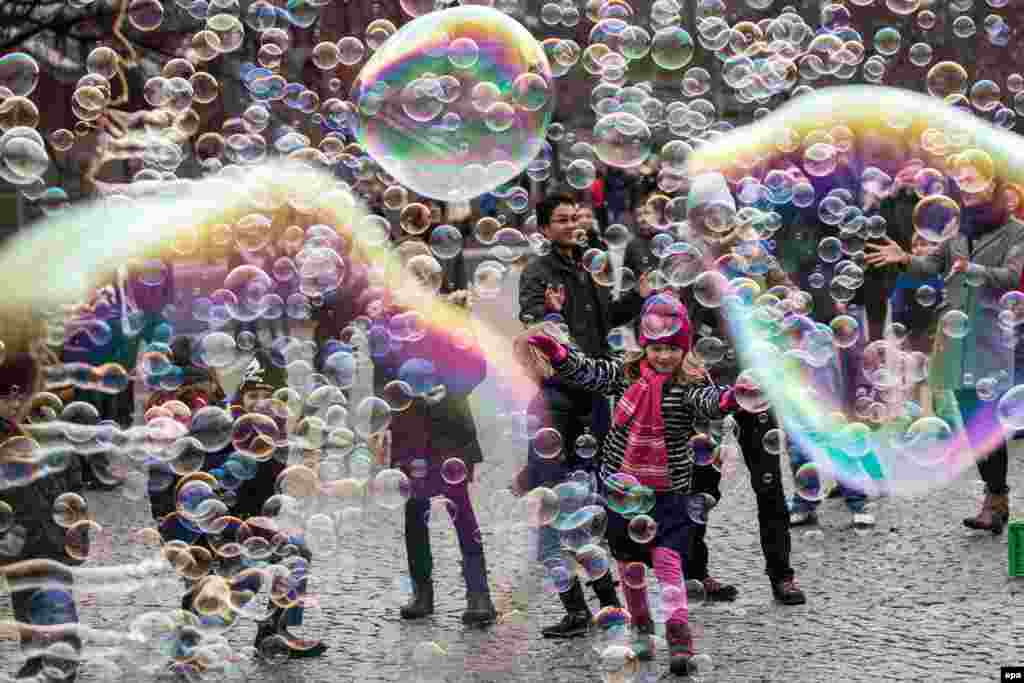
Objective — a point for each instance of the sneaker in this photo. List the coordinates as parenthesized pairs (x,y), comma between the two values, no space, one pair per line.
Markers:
(863,520)
(717,591)
(788,592)
(802,518)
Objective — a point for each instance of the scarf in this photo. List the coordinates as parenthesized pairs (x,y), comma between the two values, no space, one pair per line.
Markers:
(646,456)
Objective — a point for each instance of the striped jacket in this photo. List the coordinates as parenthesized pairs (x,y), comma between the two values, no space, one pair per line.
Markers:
(681,407)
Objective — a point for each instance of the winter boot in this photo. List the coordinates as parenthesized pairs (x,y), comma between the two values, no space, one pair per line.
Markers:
(576,621)
(680,647)
(422,603)
(293,647)
(479,610)
(788,592)
(995,512)
(604,589)
(639,609)
(643,640)
(479,607)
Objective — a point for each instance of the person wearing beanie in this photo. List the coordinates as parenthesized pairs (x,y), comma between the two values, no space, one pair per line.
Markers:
(647,465)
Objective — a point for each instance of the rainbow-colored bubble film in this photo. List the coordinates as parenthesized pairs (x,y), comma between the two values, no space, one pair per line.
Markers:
(878,440)
(309,306)
(457,102)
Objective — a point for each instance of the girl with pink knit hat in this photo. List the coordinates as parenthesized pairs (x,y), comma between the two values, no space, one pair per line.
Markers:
(647,466)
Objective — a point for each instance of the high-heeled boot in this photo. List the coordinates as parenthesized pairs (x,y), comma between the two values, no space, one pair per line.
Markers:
(993,516)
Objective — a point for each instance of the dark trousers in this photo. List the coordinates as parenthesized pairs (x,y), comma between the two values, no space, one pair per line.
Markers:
(417,530)
(980,420)
(772,513)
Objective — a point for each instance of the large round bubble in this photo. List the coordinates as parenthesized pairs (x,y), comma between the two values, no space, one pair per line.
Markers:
(473,62)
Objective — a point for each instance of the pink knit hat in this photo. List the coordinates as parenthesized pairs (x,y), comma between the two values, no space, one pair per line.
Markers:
(664,320)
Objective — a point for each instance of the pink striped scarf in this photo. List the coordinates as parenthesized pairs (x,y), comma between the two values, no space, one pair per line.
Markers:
(646,456)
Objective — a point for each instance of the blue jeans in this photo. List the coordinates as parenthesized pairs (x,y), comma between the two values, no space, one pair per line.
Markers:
(855,500)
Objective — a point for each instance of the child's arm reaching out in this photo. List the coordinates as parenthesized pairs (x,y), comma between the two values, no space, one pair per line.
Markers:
(576,369)
(712,401)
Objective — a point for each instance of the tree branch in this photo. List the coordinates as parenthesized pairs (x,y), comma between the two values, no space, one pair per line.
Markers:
(59,28)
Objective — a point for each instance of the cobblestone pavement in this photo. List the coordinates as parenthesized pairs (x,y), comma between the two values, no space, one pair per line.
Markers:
(917,598)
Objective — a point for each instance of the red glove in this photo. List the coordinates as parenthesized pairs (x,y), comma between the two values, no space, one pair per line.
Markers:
(555,352)
(727,402)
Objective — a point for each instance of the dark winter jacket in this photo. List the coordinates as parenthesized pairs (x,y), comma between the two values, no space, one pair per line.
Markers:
(445,429)
(589,310)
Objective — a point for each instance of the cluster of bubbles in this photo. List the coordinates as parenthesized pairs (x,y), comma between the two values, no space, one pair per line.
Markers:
(461,100)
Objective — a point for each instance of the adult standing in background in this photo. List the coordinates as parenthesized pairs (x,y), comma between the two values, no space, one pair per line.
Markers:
(982,262)
(589,314)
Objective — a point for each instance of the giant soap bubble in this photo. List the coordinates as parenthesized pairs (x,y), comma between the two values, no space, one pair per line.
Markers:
(472,64)
(882,134)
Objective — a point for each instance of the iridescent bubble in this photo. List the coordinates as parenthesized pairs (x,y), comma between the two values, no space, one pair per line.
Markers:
(372,416)
(964,26)
(672,48)
(497,137)
(937,218)
(808,484)
(542,506)
(453,471)
(548,443)
(351,50)
(6,517)
(887,41)
(145,15)
(1010,408)
(926,296)
(390,489)
(920,54)
(622,139)
(103,61)
(69,509)
(955,324)
(586,446)
(642,529)
(80,538)
(19,73)
(945,79)
(593,561)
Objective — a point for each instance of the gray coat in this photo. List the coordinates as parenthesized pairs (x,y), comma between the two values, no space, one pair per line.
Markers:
(984,352)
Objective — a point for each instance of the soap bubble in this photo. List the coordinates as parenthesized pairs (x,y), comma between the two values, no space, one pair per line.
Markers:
(642,529)
(19,73)
(955,324)
(399,86)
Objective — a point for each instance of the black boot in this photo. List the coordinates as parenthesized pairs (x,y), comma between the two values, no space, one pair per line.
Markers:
(294,648)
(604,589)
(576,621)
(480,609)
(422,603)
